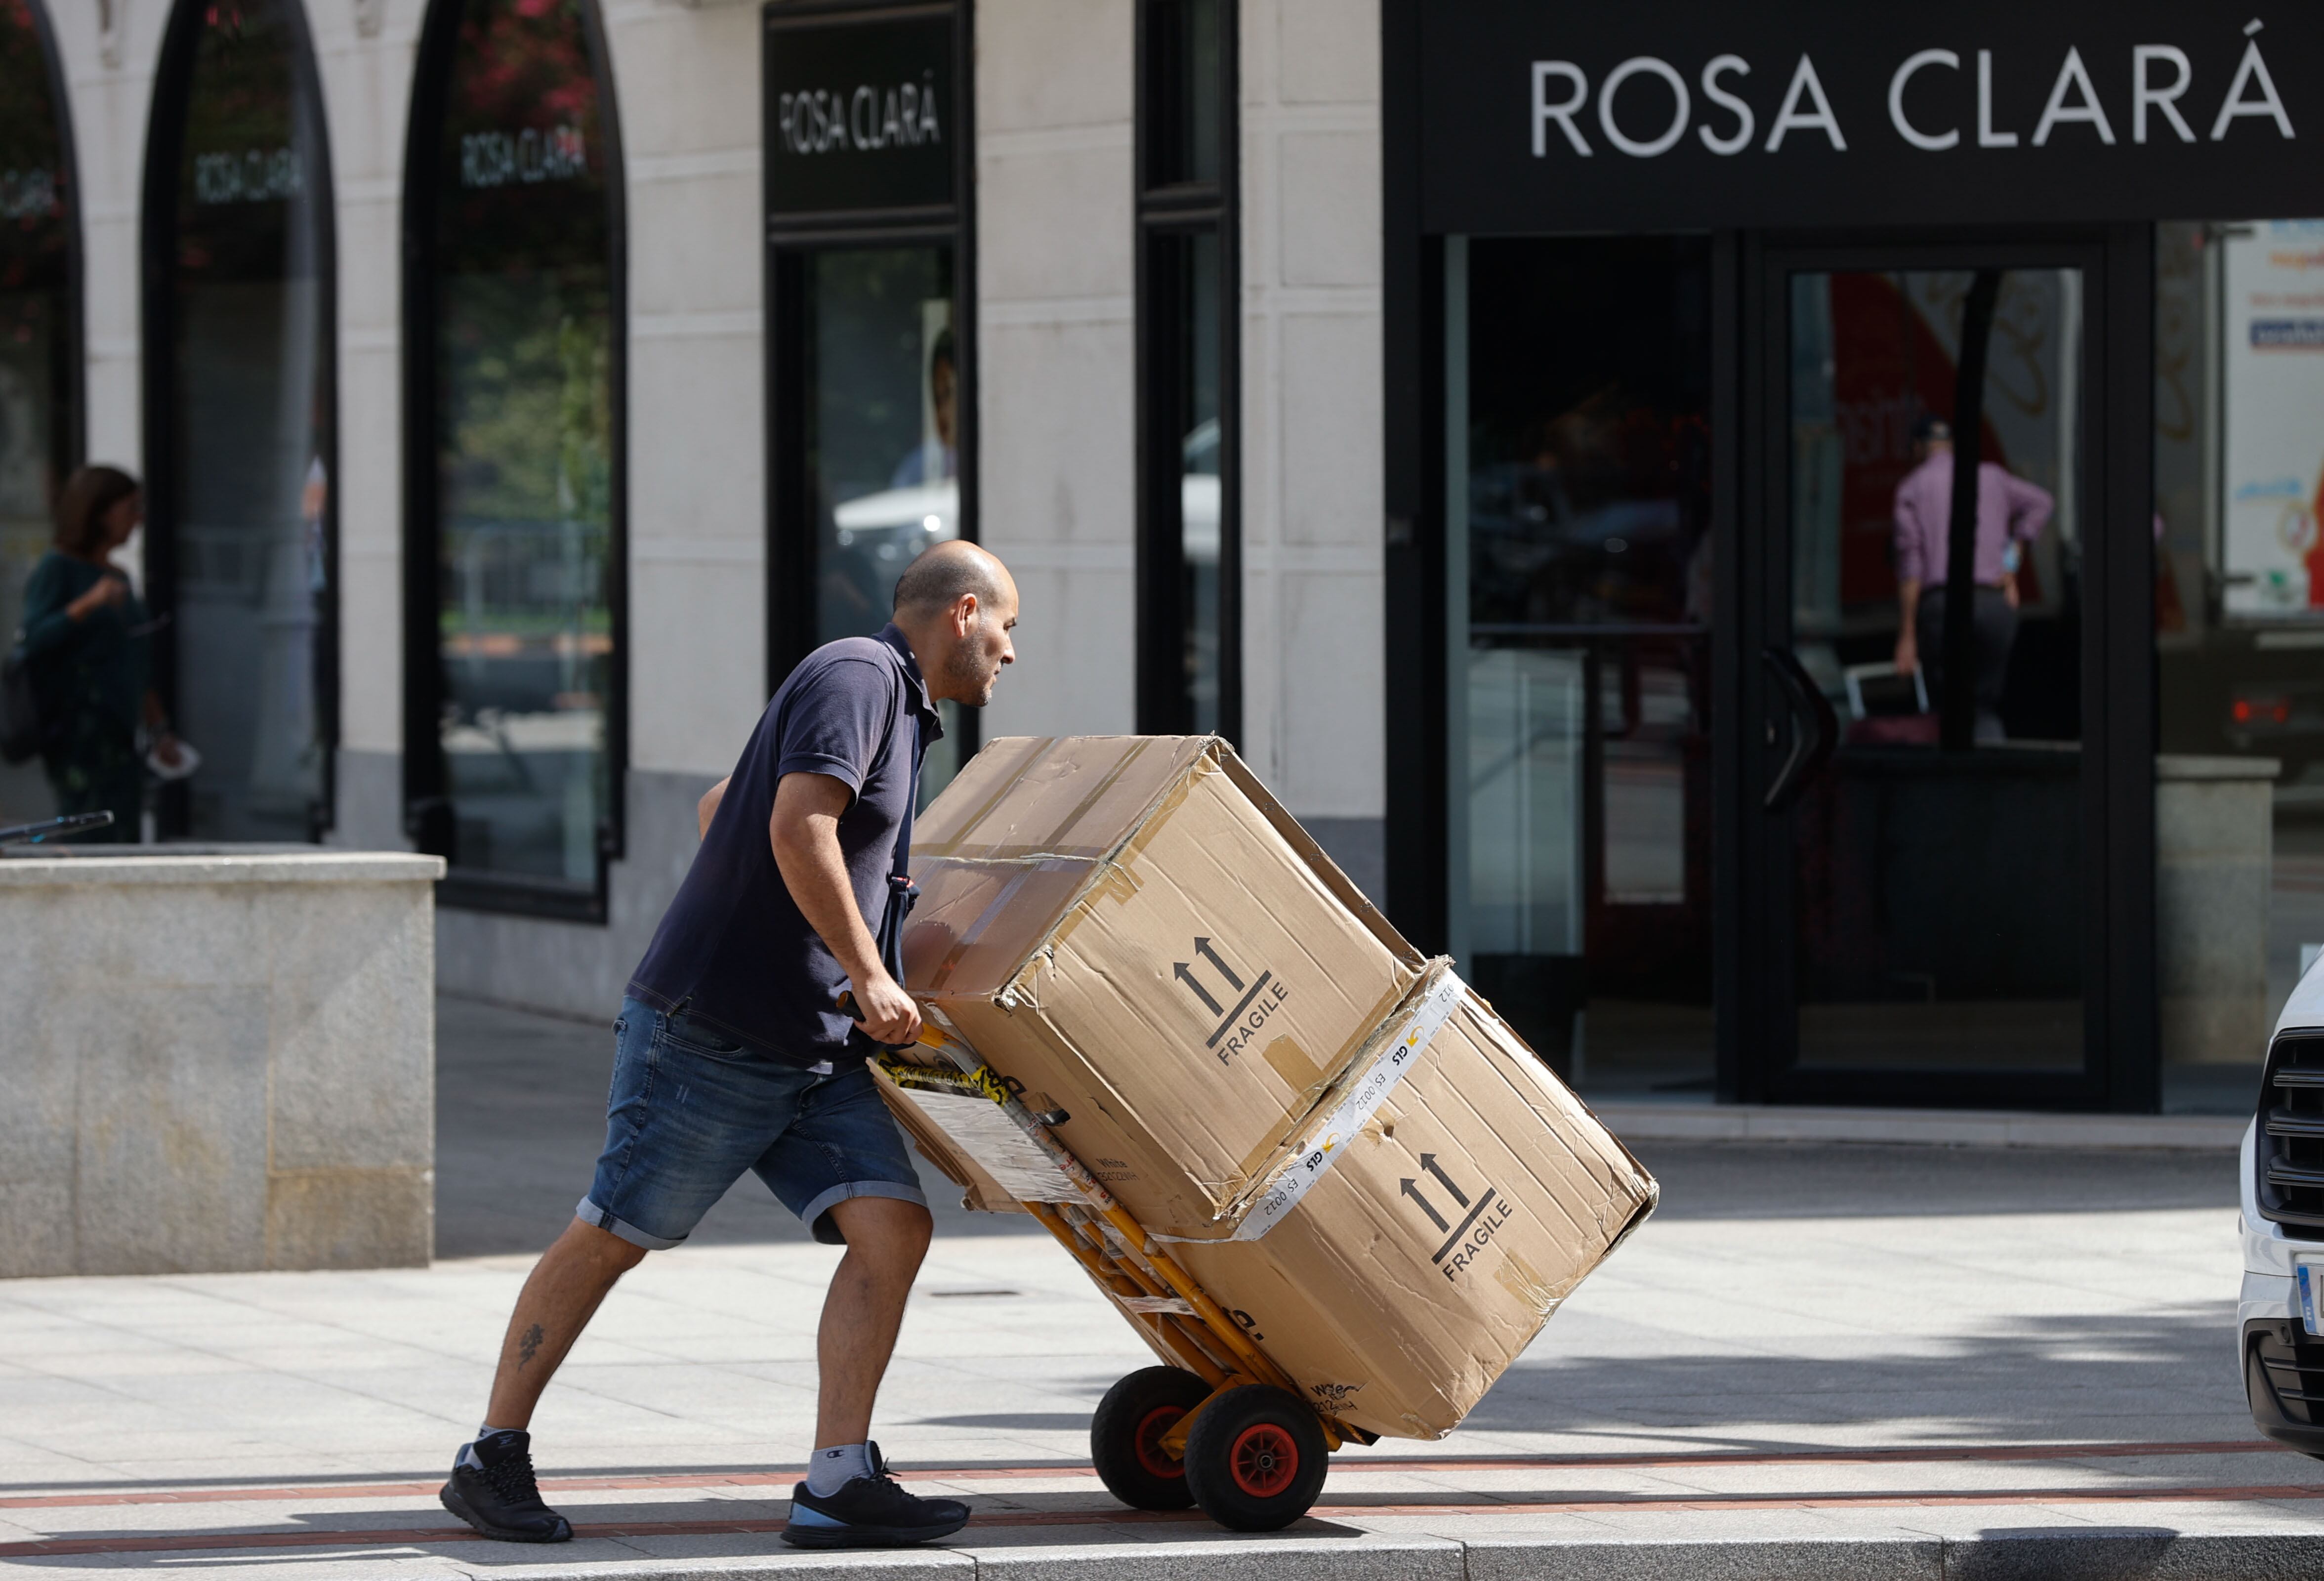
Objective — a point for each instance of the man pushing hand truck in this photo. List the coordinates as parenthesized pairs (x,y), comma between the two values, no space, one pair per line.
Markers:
(730,1053)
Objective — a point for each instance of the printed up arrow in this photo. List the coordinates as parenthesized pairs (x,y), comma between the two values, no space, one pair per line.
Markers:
(1202,948)
(1201,992)
(1412,1191)
(1428,1162)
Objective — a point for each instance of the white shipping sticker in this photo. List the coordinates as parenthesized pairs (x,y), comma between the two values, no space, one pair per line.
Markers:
(980,1128)
(1361,1102)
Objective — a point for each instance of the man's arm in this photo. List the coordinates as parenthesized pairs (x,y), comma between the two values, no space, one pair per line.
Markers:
(1908,578)
(707,808)
(804,830)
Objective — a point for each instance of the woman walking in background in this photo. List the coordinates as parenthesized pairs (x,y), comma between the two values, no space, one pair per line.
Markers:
(86,638)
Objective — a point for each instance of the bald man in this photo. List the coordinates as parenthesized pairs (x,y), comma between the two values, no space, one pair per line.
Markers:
(729,1054)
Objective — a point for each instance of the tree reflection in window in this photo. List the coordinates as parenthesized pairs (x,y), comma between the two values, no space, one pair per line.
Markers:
(241,505)
(525,445)
(37,349)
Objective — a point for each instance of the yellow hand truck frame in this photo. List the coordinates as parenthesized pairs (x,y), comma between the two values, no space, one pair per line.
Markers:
(1226,1428)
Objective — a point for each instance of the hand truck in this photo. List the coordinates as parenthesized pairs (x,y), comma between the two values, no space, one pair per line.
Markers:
(1225,1430)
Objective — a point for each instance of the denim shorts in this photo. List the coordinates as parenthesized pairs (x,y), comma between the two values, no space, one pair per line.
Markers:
(691,1109)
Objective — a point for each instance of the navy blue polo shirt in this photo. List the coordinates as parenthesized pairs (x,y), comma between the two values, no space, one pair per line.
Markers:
(734,949)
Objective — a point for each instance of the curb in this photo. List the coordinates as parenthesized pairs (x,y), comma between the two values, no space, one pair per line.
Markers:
(1920,1127)
(2056,1553)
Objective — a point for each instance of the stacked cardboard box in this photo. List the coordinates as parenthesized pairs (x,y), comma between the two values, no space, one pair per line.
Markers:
(1354,1155)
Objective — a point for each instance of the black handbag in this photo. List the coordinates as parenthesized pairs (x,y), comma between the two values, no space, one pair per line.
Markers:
(19,707)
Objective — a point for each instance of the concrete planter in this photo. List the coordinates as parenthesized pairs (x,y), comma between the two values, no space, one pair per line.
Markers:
(216,1059)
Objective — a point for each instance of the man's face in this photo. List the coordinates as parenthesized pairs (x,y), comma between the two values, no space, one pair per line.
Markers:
(974,663)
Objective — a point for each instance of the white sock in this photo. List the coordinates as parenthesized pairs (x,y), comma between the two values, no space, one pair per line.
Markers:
(832,1469)
(469,1456)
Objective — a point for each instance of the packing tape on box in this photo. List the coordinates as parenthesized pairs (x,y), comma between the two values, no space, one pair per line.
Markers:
(1396,1056)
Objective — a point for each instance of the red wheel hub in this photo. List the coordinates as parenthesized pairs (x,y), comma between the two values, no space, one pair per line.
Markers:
(1152,1458)
(1265,1460)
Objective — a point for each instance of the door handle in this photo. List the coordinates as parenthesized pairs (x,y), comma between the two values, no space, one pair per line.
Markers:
(1806,705)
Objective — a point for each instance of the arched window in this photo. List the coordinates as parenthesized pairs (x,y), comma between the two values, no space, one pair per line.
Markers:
(39,328)
(513,668)
(241,541)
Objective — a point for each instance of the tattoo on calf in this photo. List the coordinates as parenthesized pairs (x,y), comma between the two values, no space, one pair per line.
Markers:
(527,1348)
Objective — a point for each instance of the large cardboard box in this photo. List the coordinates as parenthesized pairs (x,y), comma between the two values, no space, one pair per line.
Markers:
(1391,1223)
(1134,931)
(1446,1231)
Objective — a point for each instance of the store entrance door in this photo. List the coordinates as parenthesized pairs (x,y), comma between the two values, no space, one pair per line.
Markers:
(1931,817)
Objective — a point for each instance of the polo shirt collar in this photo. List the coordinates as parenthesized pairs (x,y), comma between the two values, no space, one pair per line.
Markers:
(895,639)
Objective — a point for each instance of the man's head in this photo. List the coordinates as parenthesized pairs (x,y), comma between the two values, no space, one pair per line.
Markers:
(1930,435)
(957,605)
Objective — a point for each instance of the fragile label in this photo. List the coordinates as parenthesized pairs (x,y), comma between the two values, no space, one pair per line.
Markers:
(1361,1101)
(1243,1008)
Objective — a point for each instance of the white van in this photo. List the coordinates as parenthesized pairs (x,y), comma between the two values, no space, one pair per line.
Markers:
(2281,1316)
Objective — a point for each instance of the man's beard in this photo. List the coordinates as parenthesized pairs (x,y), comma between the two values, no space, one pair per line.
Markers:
(965,677)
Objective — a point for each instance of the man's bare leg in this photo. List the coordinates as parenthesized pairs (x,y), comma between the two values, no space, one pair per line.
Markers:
(886,1240)
(555,1305)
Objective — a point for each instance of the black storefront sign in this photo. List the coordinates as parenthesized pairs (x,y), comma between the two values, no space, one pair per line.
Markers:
(1699,114)
(860,111)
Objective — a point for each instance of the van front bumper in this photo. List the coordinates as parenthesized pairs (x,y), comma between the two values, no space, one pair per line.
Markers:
(2283,1368)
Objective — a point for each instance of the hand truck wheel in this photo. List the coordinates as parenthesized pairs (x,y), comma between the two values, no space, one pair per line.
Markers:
(1126,1434)
(1256,1458)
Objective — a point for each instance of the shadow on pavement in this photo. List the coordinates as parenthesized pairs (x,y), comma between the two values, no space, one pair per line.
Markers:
(2024,1384)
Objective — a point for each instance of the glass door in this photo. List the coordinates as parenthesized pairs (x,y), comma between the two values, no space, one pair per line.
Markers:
(1930,800)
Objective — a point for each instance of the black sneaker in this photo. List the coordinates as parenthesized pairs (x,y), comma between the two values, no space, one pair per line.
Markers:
(492,1490)
(870,1512)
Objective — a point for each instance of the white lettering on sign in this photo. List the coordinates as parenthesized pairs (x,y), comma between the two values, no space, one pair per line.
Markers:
(867,119)
(1661,142)
(2160,77)
(1746,123)
(251,175)
(534,154)
(1987,135)
(24,194)
(1935,141)
(1792,118)
(2071,75)
(2252,71)
(2145,93)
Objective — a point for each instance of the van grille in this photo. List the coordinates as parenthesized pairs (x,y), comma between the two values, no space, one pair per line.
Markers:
(2290,1154)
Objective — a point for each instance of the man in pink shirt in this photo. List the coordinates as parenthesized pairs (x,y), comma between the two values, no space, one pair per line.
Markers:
(2010,512)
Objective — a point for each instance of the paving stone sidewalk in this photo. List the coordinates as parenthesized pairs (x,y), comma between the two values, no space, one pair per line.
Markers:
(1816,1361)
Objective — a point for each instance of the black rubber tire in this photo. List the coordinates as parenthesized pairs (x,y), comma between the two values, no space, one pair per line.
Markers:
(1256,1458)
(1134,1412)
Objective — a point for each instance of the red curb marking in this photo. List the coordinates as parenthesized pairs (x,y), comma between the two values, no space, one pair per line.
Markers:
(416,1536)
(745,1479)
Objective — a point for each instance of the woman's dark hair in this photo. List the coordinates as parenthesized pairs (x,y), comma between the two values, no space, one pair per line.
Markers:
(82,505)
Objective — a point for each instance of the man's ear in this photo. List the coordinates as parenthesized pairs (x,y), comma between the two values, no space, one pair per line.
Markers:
(964,615)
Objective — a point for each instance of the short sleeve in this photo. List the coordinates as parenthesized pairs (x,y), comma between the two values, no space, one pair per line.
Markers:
(834,723)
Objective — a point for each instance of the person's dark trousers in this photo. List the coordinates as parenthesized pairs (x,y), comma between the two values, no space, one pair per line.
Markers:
(1993,629)
(93,767)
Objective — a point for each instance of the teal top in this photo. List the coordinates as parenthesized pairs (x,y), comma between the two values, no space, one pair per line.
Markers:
(100,664)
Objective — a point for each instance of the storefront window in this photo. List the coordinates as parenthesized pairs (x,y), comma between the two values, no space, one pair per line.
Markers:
(527,493)
(2239,642)
(39,348)
(240,510)
(883,414)
(1578,386)
(1939,884)
(1189,669)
